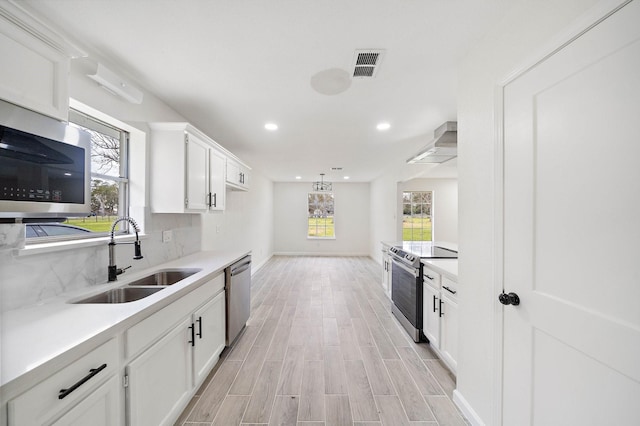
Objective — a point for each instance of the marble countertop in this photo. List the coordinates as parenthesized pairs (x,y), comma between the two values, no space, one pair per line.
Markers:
(38,338)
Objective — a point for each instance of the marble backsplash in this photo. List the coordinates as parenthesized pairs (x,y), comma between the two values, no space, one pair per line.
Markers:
(31,279)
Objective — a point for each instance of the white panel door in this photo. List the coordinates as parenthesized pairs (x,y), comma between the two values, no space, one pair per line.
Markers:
(209,321)
(100,408)
(572,232)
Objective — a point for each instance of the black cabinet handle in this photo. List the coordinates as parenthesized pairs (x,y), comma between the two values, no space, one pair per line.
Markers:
(200,327)
(429,277)
(441,313)
(92,372)
(215,199)
(449,290)
(434,302)
(209,202)
(193,336)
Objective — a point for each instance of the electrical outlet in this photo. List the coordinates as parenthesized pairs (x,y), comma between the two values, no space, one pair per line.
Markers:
(167,236)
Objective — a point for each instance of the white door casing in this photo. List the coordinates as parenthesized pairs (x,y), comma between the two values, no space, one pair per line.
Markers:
(571,232)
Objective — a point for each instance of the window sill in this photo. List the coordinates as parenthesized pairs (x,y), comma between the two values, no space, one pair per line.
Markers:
(321,238)
(73,244)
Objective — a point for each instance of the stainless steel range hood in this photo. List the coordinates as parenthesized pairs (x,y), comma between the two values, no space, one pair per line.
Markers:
(443,148)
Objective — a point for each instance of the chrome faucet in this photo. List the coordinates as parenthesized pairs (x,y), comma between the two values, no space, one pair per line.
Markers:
(114,271)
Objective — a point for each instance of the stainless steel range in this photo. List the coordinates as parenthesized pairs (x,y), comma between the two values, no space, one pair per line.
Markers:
(406,285)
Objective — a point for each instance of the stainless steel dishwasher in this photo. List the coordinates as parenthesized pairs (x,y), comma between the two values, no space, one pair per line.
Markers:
(238,293)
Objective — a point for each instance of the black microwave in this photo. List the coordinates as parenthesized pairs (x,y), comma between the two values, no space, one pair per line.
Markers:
(45,166)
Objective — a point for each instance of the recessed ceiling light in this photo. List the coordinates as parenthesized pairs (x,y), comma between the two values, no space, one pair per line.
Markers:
(383,126)
(298,177)
(271,126)
(346,177)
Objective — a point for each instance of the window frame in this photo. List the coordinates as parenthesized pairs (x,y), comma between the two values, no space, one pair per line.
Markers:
(333,216)
(412,204)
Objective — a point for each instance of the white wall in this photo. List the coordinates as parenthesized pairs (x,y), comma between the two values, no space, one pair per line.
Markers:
(444,210)
(527,27)
(352,209)
(246,223)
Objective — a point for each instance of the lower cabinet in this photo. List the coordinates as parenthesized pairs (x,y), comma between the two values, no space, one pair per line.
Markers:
(163,377)
(160,380)
(84,392)
(440,316)
(100,408)
(386,271)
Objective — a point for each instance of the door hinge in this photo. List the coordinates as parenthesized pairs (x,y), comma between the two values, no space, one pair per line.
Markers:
(125,381)
(186,138)
(186,202)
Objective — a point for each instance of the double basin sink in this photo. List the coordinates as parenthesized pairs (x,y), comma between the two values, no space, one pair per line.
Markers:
(141,288)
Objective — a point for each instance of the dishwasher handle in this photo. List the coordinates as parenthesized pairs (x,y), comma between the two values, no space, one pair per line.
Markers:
(240,268)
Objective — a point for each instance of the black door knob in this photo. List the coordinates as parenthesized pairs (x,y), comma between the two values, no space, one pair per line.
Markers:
(509,299)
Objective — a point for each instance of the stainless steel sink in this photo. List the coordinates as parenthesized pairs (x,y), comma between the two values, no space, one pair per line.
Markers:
(165,277)
(121,295)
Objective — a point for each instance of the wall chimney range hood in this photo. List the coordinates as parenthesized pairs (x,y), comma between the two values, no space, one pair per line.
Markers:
(443,148)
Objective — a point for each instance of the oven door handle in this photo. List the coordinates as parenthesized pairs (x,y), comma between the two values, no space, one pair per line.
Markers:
(409,270)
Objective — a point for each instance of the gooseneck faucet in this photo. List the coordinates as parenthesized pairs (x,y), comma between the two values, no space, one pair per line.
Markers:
(113,269)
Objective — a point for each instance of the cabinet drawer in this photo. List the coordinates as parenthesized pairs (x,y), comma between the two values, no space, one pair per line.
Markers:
(449,288)
(41,403)
(152,328)
(430,277)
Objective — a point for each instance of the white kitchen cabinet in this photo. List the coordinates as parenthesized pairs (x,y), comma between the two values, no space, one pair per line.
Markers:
(89,396)
(217,178)
(440,315)
(386,271)
(35,70)
(100,408)
(174,350)
(160,380)
(431,319)
(210,337)
(449,329)
(238,175)
(187,170)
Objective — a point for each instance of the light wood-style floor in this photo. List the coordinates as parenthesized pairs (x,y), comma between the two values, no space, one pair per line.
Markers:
(322,348)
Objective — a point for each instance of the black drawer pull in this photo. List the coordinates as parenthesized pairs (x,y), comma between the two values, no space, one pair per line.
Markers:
(92,372)
(199,327)
(440,308)
(193,335)
(449,290)
(429,277)
(434,303)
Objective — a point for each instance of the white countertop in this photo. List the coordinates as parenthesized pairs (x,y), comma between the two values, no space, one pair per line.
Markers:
(448,267)
(33,338)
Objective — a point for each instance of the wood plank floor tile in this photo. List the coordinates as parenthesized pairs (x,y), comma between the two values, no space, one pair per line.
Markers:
(334,377)
(231,411)
(311,408)
(427,384)
(391,411)
(261,403)
(363,405)
(348,349)
(293,367)
(248,374)
(337,410)
(243,345)
(442,375)
(285,411)
(445,412)
(412,401)
(330,332)
(211,399)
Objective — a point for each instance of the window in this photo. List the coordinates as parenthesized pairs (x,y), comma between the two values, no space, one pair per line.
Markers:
(416,216)
(109,184)
(321,215)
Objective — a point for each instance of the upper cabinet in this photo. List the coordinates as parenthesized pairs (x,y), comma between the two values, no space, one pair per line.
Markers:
(35,70)
(238,175)
(188,170)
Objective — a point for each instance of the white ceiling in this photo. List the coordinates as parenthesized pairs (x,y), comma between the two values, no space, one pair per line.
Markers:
(231,66)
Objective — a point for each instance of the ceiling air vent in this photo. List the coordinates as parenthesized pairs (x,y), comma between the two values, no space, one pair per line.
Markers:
(366,62)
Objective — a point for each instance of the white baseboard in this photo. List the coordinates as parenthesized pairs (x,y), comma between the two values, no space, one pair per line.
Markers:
(256,266)
(466,409)
(303,253)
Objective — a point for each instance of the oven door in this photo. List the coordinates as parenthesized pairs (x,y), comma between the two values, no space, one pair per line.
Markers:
(406,293)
